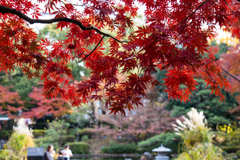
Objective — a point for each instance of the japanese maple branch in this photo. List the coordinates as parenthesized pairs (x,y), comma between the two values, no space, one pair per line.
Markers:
(230,75)
(92,50)
(191,14)
(4,10)
(9,28)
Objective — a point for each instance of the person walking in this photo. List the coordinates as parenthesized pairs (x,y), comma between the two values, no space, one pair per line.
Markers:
(67,153)
(48,155)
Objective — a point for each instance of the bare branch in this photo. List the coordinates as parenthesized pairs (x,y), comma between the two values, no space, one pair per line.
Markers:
(4,10)
(92,50)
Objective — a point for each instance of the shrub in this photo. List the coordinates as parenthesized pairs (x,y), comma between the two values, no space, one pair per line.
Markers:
(79,147)
(200,151)
(85,131)
(5,134)
(19,143)
(84,138)
(231,149)
(6,154)
(38,133)
(112,143)
(169,140)
(233,138)
(68,138)
(197,138)
(238,153)
(20,140)
(57,130)
(43,142)
(120,149)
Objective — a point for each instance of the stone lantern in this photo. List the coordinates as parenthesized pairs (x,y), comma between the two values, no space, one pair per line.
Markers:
(162,153)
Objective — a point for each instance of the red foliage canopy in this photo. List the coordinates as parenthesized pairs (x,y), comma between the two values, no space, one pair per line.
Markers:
(45,106)
(10,102)
(172,38)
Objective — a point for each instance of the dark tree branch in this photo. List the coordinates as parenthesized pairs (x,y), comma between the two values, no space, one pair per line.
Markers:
(4,10)
(231,75)
(92,50)
(9,28)
(191,14)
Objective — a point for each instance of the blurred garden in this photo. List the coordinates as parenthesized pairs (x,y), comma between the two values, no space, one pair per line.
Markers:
(200,126)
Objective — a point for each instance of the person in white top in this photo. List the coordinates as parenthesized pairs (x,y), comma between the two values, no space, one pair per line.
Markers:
(67,153)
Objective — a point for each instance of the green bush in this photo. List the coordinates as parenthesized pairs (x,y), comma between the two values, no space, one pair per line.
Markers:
(19,142)
(79,147)
(112,143)
(6,154)
(238,153)
(42,142)
(169,140)
(233,138)
(84,138)
(38,133)
(67,139)
(202,151)
(120,149)
(231,149)
(5,134)
(85,131)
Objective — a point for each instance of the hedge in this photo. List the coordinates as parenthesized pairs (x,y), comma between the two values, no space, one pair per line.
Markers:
(120,149)
(68,139)
(38,133)
(231,149)
(40,141)
(169,140)
(79,147)
(85,131)
(238,153)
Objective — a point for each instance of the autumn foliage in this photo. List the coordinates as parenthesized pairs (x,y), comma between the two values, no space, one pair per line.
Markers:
(45,106)
(230,62)
(139,124)
(12,105)
(172,38)
(10,102)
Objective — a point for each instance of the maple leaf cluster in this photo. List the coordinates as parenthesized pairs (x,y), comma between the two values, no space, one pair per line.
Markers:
(172,38)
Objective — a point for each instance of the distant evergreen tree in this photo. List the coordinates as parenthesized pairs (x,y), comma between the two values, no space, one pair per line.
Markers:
(215,111)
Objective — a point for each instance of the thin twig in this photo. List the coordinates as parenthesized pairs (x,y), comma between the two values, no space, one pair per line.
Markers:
(92,50)
(10,29)
(190,14)
(4,10)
